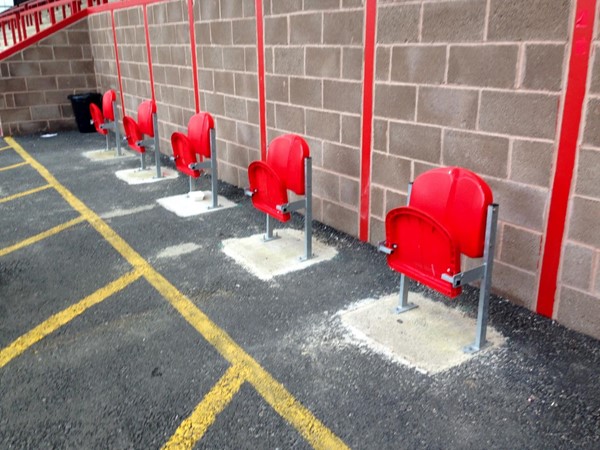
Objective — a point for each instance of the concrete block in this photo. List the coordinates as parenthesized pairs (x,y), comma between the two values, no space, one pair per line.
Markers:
(520,248)
(231,9)
(289,61)
(415,141)
(345,96)
(306,29)
(484,65)
(351,130)
(289,118)
(595,73)
(326,185)
(419,64)
(174,12)
(398,23)
(587,173)
(395,199)
(544,67)
(397,102)
(26,69)
(323,62)
(531,162)
(377,196)
(520,20)
(45,112)
(277,88)
(454,21)
(390,171)
(220,33)
(224,82)
(341,159)
(340,217)
(276,31)
(376,231)
(248,134)
(246,85)
(36,53)
(518,286)
(591,134)
(323,125)
(209,10)
(286,6)
(352,66)
(382,63)
(429,338)
(349,192)
(109,155)
(212,57)
(244,31)
(380,135)
(321,4)
(513,113)
(270,259)
(15,115)
(343,28)
(450,107)
(480,153)
(579,311)
(138,176)
(584,220)
(576,266)
(235,108)
(306,92)
(250,59)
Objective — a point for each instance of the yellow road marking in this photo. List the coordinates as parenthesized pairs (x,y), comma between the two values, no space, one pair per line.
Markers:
(5,148)
(280,399)
(23,194)
(59,319)
(14,166)
(193,428)
(38,237)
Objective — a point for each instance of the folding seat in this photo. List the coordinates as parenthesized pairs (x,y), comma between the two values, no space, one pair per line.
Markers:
(147,124)
(288,167)
(450,213)
(107,118)
(190,149)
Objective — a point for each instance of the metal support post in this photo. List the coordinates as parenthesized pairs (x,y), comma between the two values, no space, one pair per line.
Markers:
(191,184)
(269,236)
(156,145)
(214,169)
(107,141)
(308,209)
(116,128)
(486,281)
(403,304)
(143,161)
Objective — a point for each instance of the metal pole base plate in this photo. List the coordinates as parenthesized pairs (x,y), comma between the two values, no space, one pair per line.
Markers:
(408,307)
(470,349)
(272,238)
(304,258)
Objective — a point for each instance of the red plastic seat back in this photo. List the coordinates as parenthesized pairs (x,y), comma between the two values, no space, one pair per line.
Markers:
(145,112)
(97,118)
(422,248)
(199,128)
(458,199)
(269,190)
(108,99)
(184,154)
(133,134)
(286,156)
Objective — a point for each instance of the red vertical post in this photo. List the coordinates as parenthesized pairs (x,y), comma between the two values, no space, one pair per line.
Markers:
(367,118)
(193,50)
(262,102)
(114,30)
(581,39)
(149,52)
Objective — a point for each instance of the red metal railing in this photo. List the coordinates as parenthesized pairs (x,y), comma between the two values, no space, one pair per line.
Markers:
(29,18)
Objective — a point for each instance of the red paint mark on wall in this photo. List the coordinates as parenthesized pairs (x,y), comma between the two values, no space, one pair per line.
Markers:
(567,151)
(149,52)
(262,102)
(114,30)
(193,50)
(367,118)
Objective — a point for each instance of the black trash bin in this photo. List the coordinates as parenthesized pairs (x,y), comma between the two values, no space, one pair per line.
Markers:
(81,110)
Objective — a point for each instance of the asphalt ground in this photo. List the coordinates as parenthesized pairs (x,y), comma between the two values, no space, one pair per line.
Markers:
(108,341)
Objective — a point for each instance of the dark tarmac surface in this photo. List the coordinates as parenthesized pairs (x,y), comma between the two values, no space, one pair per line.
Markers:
(126,372)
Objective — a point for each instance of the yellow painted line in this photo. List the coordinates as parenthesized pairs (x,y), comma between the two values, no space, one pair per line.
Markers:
(5,148)
(193,428)
(58,320)
(275,393)
(23,194)
(41,236)
(14,166)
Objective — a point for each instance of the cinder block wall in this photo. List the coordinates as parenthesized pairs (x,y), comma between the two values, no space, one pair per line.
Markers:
(578,304)
(478,84)
(35,83)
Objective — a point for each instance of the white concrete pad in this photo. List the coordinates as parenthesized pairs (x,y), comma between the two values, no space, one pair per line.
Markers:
(277,257)
(429,338)
(138,176)
(107,155)
(193,203)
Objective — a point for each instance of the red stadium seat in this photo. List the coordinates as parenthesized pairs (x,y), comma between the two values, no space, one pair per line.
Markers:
(288,167)
(105,119)
(145,125)
(451,213)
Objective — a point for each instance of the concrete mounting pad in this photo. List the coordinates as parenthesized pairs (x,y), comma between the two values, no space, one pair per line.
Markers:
(268,259)
(107,155)
(139,176)
(193,203)
(429,338)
